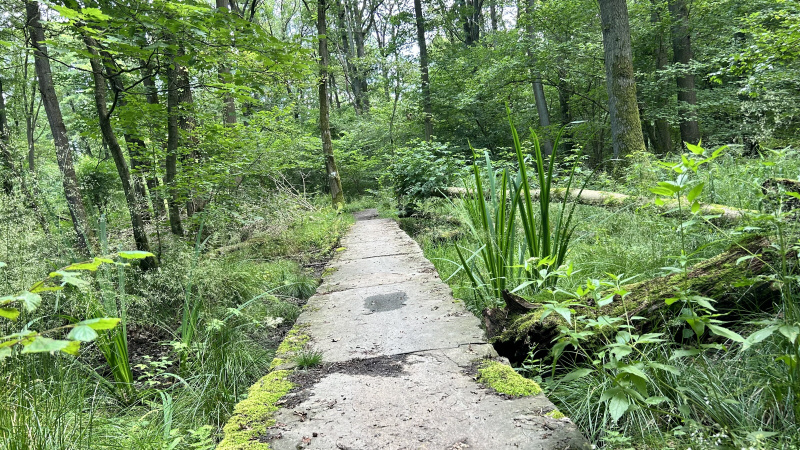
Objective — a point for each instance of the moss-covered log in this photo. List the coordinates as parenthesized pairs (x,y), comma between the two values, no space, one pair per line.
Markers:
(735,288)
(617,200)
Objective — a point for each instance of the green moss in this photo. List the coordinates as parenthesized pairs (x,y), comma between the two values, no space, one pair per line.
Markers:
(505,380)
(294,341)
(340,249)
(255,414)
(555,414)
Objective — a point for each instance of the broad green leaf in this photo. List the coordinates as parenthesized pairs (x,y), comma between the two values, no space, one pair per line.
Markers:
(661,191)
(758,336)
(695,192)
(793,194)
(665,367)
(104,323)
(70,278)
(655,400)
(90,266)
(618,406)
(40,287)
(135,254)
(82,333)
(576,374)
(684,353)
(790,331)
(30,300)
(43,344)
(696,149)
(9,313)
(72,348)
(635,371)
(726,333)
(5,352)
(695,208)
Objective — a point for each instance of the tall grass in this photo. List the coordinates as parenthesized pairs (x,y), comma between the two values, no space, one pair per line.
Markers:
(495,216)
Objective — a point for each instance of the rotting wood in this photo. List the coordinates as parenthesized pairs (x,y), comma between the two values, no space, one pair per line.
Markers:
(618,200)
(519,326)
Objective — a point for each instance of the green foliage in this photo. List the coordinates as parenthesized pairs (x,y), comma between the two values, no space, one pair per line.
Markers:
(420,171)
(306,359)
(529,262)
(98,181)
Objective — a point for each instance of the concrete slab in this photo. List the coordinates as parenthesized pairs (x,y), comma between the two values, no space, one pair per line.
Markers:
(389,319)
(427,402)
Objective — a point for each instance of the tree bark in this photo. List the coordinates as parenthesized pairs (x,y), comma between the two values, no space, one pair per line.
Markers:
(682,54)
(518,327)
(84,233)
(427,109)
(149,173)
(134,202)
(187,124)
(5,147)
(626,128)
(334,178)
(229,104)
(536,82)
(135,144)
(662,136)
(171,161)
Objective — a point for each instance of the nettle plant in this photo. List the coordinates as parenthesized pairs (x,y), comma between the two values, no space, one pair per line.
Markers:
(64,338)
(611,345)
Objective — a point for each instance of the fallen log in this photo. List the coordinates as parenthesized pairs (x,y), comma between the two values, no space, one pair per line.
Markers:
(615,199)
(736,288)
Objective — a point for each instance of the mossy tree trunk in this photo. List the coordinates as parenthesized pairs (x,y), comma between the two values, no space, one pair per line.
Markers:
(626,128)
(518,327)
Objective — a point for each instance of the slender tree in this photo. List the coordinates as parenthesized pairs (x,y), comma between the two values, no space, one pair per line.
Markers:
(626,128)
(6,159)
(228,102)
(134,202)
(334,178)
(171,161)
(427,109)
(682,55)
(536,80)
(661,133)
(85,235)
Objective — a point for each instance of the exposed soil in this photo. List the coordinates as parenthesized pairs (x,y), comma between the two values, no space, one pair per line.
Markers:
(384,366)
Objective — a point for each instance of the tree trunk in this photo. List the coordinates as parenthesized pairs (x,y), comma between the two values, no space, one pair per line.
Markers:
(171,161)
(536,81)
(135,144)
(427,109)
(334,178)
(518,327)
(470,11)
(682,54)
(134,202)
(187,124)
(6,159)
(229,104)
(661,134)
(493,14)
(84,233)
(30,127)
(606,199)
(148,169)
(626,128)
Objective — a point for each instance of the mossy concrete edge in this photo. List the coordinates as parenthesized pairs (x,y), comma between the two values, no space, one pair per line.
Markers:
(254,415)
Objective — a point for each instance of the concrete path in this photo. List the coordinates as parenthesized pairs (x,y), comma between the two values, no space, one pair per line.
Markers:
(400,356)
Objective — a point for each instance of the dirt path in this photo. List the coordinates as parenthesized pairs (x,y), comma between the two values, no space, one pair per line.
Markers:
(400,359)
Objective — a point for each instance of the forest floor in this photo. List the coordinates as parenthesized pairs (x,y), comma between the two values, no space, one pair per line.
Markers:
(402,363)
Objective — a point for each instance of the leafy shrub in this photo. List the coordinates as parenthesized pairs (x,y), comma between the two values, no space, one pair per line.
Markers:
(419,171)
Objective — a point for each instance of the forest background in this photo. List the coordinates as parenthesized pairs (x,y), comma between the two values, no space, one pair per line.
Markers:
(168,170)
